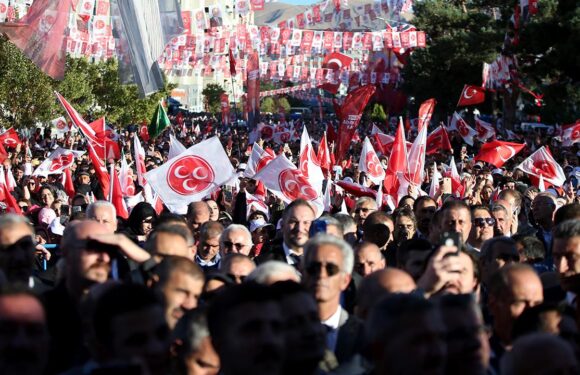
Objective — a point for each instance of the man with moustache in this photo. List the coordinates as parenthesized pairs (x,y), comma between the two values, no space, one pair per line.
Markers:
(85,264)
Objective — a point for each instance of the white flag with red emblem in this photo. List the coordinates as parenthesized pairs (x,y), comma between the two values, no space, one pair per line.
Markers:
(139,160)
(60,125)
(370,164)
(571,134)
(191,176)
(416,171)
(59,160)
(259,158)
(256,203)
(465,131)
(542,163)
(309,165)
(484,129)
(126,179)
(286,182)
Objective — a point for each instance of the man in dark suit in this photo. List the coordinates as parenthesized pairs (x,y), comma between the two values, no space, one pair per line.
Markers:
(543,208)
(328,264)
(296,222)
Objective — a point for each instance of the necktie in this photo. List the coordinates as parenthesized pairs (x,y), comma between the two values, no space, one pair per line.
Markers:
(331,337)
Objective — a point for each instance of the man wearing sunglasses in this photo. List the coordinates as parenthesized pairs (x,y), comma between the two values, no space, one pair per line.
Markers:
(236,238)
(482,225)
(328,264)
(364,207)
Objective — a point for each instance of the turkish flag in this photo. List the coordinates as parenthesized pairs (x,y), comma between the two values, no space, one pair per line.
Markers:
(425,112)
(59,160)
(10,138)
(100,170)
(571,134)
(542,163)
(258,159)
(331,135)
(324,155)
(144,133)
(370,164)
(497,153)
(484,129)
(12,205)
(334,61)
(286,182)
(398,163)
(69,187)
(117,195)
(87,130)
(416,170)
(309,164)
(471,95)
(193,175)
(232,63)
(465,131)
(438,140)
(351,113)
(356,189)
(126,179)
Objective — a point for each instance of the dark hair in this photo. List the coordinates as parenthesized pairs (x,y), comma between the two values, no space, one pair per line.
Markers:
(191,329)
(231,298)
(480,207)
(455,205)
(171,264)
(120,299)
(533,248)
(414,244)
(296,203)
(567,212)
(170,218)
(422,199)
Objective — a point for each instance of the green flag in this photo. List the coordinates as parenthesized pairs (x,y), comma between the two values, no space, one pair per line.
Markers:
(159,122)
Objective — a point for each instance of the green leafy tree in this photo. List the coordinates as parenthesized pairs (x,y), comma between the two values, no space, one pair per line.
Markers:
(464,34)
(26,94)
(283,102)
(212,93)
(268,105)
(461,36)
(378,113)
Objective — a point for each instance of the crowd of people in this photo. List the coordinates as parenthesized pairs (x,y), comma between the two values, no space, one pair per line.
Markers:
(482,284)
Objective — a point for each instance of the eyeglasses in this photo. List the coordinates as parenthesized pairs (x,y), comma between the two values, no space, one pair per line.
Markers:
(238,246)
(363,209)
(315,269)
(24,207)
(481,221)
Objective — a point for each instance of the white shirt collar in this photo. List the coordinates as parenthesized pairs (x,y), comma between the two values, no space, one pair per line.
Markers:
(334,319)
(287,252)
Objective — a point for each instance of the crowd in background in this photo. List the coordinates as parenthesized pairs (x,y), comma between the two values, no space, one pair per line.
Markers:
(485,284)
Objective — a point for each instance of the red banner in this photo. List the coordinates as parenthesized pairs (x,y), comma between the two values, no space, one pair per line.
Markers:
(253,84)
(351,113)
(225,104)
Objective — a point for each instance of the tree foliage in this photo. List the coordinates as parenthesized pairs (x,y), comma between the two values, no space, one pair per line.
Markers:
(462,35)
(378,113)
(211,94)
(268,105)
(27,94)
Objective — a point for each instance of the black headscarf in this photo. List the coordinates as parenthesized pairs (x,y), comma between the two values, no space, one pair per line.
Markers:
(140,212)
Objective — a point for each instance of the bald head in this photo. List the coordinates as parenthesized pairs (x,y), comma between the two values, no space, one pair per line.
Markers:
(379,284)
(197,214)
(14,227)
(368,259)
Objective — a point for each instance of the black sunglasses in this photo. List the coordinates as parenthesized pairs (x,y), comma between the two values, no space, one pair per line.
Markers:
(507,258)
(365,210)
(239,278)
(481,221)
(229,244)
(315,269)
